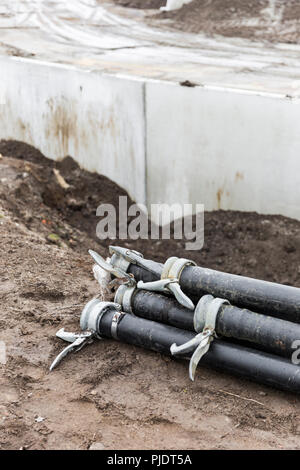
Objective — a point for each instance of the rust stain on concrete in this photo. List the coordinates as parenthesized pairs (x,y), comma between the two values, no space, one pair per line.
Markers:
(239,176)
(220,193)
(62,122)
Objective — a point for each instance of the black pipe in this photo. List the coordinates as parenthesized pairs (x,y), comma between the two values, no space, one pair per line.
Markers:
(274,335)
(260,296)
(255,365)
(160,308)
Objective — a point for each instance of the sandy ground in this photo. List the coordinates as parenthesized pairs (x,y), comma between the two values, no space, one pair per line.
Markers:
(118,396)
(263,20)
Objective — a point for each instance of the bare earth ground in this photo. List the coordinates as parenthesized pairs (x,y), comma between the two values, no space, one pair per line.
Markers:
(110,393)
(263,20)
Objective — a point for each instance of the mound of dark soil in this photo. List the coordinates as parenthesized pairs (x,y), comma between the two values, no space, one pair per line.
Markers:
(260,246)
(263,20)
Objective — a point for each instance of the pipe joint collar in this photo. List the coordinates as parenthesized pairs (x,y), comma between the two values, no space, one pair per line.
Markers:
(123,297)
(174,266)
(93,312)
(206,312)
(119,262)
(121,258)
(115,323)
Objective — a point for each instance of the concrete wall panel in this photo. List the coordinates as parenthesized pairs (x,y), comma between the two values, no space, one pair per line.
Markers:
(162,142)
(225,149)
(95,118)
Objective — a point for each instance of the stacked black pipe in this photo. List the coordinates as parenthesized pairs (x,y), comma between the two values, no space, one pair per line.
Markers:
(271,334)
(255,365)
(257,330)
(269,298)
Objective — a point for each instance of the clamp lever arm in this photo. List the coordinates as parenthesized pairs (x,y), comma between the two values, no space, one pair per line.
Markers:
(199,344)
(77,340)
(115,271)
(170,286)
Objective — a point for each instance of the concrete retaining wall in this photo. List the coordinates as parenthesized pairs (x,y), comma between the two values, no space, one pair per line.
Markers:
(228,150)
(162,142)
(97,119)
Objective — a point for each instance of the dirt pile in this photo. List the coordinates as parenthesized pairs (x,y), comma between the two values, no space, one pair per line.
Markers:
(255,245)
(45,279)
(263,20)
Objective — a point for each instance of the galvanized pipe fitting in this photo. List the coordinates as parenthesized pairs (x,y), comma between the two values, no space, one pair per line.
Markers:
(92,313)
